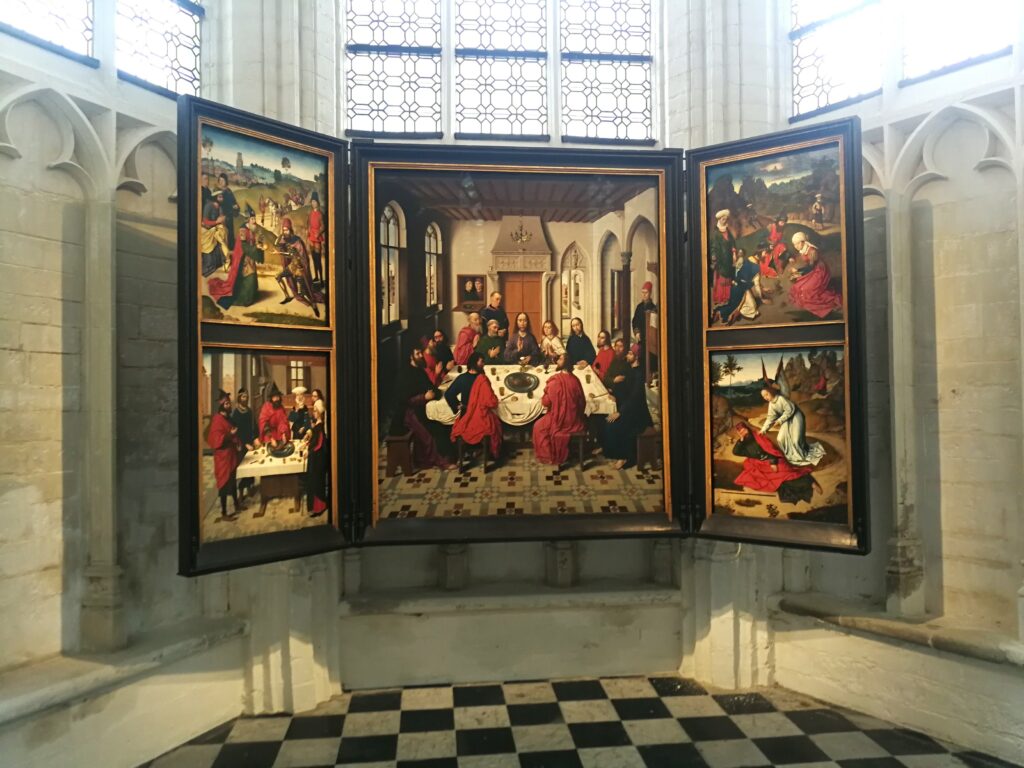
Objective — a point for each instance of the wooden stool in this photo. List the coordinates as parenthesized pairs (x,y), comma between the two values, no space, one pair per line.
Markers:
(579,442)
(648,448)
(399,454)
(484,445)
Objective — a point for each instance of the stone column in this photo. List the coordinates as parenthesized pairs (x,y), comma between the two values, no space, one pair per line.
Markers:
(625,297)
(905,588)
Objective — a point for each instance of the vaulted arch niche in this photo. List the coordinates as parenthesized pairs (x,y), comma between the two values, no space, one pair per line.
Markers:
(965,314)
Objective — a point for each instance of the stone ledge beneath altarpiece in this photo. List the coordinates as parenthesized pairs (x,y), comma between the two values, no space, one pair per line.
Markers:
(64,680)
(930,632)
(506,632)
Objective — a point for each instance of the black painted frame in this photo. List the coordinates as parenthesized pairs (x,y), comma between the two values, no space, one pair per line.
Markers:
(195,557)
(790,533)
(536,528)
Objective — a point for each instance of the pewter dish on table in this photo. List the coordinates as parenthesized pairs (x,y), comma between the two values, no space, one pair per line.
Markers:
(520,381)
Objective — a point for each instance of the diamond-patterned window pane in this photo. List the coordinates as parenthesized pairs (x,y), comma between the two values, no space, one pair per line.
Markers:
(501,96)
(67,23)
(938,33)
(158,41)
(394,92)
(607,99)
(810,11)
(838,61)
(511,25)
(606,26)
(395,22)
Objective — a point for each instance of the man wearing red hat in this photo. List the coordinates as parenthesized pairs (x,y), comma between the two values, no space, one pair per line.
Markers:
(639,322)
(227,453)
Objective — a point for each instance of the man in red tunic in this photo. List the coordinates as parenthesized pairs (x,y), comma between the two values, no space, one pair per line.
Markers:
(274,427)
(465,344)
(477,418)
(565,403)
(765,468)
(227,451)
(315,236)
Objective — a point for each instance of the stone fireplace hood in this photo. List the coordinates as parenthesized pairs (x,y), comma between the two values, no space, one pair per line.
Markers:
(521,245)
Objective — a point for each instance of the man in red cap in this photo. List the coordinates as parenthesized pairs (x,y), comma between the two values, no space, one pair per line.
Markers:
(639,323)
(227,453)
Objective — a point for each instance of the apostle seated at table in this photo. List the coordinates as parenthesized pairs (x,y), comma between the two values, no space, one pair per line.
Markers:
(604,355)
(578,346)
(429,438)
(617,368)
(435,368)
(522,345)
(227,453)
(274,426)
(551,346)
(566,405)
(618,437)
(491,345)
(298,416)
(468,337)
(473,401)
(442,351)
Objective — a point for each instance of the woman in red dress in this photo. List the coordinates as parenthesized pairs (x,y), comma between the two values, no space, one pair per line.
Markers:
(812,281)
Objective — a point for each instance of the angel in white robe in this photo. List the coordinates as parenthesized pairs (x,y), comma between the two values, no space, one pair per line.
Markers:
(792,438)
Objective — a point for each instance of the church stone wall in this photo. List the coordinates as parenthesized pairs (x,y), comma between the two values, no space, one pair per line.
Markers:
(42,230)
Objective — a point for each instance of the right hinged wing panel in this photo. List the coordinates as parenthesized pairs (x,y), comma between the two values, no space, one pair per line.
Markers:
(778,277)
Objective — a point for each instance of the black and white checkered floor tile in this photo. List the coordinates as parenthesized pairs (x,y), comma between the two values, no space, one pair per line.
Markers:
(657,722)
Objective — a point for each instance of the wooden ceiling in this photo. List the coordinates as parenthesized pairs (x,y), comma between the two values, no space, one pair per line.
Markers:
(490,196)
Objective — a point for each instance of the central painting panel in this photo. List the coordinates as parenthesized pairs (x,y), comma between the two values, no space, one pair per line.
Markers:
(518,355)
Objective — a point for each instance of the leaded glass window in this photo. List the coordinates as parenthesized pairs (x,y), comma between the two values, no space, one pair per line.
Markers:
(606,70)
(390,240)
(838,52)
(940,34)
(488,69)
(393,67)
(158,43)
(431,258)
(67,24)
(501,68)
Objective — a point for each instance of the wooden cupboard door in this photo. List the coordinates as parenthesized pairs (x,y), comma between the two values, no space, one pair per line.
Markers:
(522,293)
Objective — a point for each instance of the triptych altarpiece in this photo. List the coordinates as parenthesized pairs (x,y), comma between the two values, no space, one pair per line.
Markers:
(385,343)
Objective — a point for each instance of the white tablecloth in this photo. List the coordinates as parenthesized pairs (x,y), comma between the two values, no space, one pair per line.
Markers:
(519,408)
(257,463)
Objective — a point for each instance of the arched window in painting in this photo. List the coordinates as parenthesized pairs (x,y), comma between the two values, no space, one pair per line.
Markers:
(573,287)
(431,259)
(390,242)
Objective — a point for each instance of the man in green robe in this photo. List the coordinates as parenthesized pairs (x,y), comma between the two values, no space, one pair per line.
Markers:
(492,345)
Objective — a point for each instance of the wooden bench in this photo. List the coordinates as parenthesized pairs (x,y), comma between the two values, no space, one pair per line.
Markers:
(648,448)
(484,445)
(399,450)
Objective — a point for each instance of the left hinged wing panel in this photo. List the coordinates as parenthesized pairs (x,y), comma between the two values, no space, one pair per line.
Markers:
(263,235)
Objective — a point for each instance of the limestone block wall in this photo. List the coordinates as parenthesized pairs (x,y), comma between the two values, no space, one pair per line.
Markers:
(147,392)
(42,232)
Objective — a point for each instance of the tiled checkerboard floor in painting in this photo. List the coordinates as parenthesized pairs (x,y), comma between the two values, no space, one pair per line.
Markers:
(657,722)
